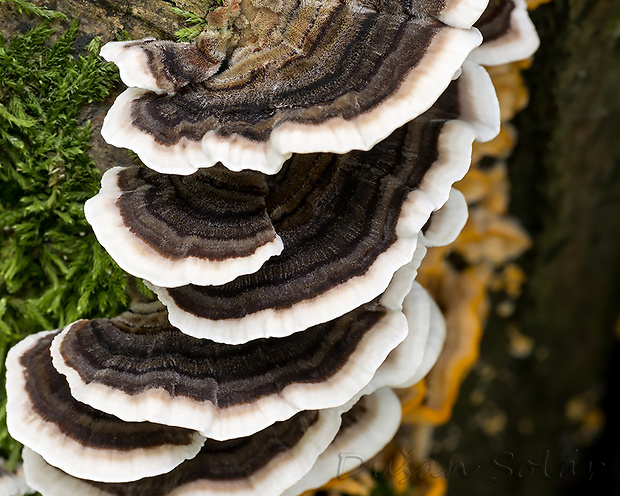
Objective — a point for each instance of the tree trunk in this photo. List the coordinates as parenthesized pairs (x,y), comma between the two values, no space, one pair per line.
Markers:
(565,178)
(565,189)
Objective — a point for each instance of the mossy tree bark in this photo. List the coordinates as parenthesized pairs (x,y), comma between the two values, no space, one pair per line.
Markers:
(107,19)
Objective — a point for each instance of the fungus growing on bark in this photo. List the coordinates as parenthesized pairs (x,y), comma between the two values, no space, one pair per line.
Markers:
(138,367)
(327,245)
(366,428)
(316,77)
(30,365)
(264,464)
(447,222)
(508,33)
(207,228)
(84,442)
(164,66)
(339,253)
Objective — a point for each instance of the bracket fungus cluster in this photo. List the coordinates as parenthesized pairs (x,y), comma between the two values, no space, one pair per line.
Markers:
(485,251)
(300,158)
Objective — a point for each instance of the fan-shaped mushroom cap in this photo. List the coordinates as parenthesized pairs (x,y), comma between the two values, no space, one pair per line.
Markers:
(366,429)
(457,13)
(476,101)
(433,347)
(207,228)
(508,32)
(164,66)
(347,224)
(138,367)
(82,441)
(442,228)
(263,464)
(332,77)
(401,283)
(407,357)
(447,222)
(411,360)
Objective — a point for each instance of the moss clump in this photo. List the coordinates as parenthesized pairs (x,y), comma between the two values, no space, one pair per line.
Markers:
(52,269)
(30,8)
(195,24)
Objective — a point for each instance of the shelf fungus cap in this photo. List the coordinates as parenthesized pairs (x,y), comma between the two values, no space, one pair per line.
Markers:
(442,228)
(42,414)
(457,13)
(332,77)
(508,32)
(264,464)
(207,228)
(138,367)
(446,223)
(164,66)
(433,347)
(478,101)
(347,222)
(406,358)
(411,360)
(366,428)
(403,280)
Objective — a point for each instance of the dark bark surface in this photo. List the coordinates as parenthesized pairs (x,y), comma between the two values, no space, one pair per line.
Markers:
(565,176)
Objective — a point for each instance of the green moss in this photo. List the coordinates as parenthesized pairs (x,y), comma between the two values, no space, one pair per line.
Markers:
(195,23)
(32,9)
(52,269)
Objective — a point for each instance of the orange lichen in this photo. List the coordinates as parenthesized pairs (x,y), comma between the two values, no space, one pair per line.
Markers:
(491,238)
(496,201)
(511,91)
(475,186)
(462,296)
(500,147)
(435,486)
(584,411)
(425,474)
(533,4)
(358,483)
(510,280)
(412,397)
(492,187)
